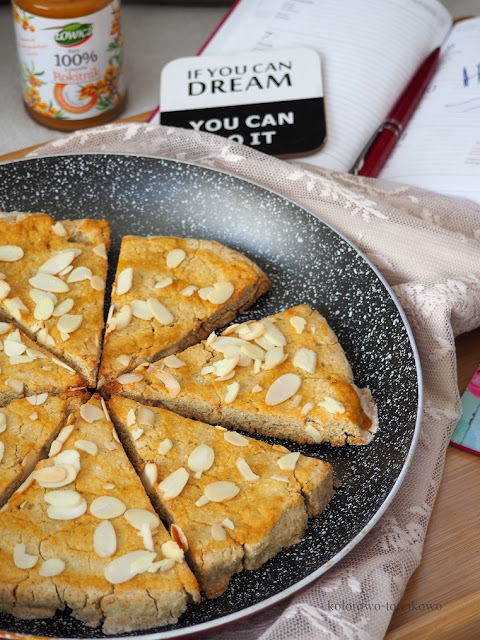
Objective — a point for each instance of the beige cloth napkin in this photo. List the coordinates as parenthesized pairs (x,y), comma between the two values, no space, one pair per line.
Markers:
(428,248)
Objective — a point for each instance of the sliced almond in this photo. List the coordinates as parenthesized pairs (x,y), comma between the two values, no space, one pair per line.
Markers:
(2,450)
(164,447)
(55,477)
(67,513)
(65,433)
(273,357)
(188,290)
(288,461)
(100,250)
(173,485)
(173,362)
(37,400)
(107,507)
(279,478)
(21,558)
(245,470)
(131,418)
(236,439)
(55,447)
(4,289)
(253,351)
(88,446)
(11,253)
(57,263)
(228,523)
(124,360)
(305,359)
(159,311)
(16,385)
(59,230)
(79,274)
(4,327)
(124,281)
(202,501)
(126,567)
(123,317)
(162,565)
(172,550)
(37,295)
(104,539)
(150,475)
(179,537)
(257,388)
(232,392)
(175,257)
(331,405)
(169,381)
(47,282)
(296,401)
(201,459)
(141,310)
(221,491)
(307,407)
(44,309)
(15,306)
(218,532)
(69,323)
(225,366)
(251,331)
(51,567)
(69,457)
(145,416)
(97,283)
(219,293)
(283,388)
(166,282)
(3,422)
(138,517)
(137,433)
(298,323)
(129,378)
(63,498)
(91,413)
(314,434)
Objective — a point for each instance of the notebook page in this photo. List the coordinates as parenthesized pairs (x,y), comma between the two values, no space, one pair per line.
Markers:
(440,149)
(369,49)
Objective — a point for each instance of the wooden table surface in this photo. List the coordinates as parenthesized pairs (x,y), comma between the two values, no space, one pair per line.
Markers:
(449,573)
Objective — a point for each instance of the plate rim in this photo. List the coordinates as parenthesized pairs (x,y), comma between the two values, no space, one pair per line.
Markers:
(227,620)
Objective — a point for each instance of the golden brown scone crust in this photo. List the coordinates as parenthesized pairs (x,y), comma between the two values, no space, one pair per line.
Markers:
(145,601)
(202,398)
(268,514)
(43,373)
(206,262)
(29,431)
(34,235)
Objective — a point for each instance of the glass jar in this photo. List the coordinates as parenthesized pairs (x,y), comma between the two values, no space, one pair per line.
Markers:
(71,59)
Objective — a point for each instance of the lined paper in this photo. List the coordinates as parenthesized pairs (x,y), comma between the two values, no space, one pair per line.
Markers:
(369,49)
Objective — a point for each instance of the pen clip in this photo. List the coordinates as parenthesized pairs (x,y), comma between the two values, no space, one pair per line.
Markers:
(391,125)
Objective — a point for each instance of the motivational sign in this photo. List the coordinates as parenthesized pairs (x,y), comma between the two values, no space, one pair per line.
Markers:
(269,100)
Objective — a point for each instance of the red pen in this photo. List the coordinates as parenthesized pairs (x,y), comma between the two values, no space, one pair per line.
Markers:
(376,151)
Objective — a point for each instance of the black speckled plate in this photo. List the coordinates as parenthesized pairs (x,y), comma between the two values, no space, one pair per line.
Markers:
(308,262)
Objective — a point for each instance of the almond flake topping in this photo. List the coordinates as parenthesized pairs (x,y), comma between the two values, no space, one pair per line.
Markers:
(221,491)
(88,446)
(107,507)
(305,359)
(251,331)
(279,477)
(129,378)
(124,360)
(100,250)
(57,476)
(11,253)
(63,364)
(173,485)
(91,413)
(314,434)
(166,282)
(288,461)
(57,263)
(331,405)
(273,357)
(163,565)
(225,366)
(236,439)
(253,352)
(43,309)
(169,381)
(150,474)
(16,385)
(159,311)
(124,281)
(296,401)
(283,388)
(175,257)
(145,416)
(79,274)
(141,310)
(65,433)
(257,388)
(51,567)
(228,523)
(298,323)
(188,290)
(47,282)
(109,486)
(139,517)
(164,447)
(126,567)
(201,459)
(4,327)
(232,392)
(179,537)
(38,399)
(67,513)
(69,323)
(97,283)
(2,450)
(104,539)
(4,289)
(245,470)
(218,532)
(211,339)
(273,335)
(36,295)
(131,418)
(21,558)
(137,433)
(15,306)
(55,447)
(307,407)
(123,317)
(173,362)
(59,230)
(63,498)
(219,293)
(202,501)
(3,422)
(172,550)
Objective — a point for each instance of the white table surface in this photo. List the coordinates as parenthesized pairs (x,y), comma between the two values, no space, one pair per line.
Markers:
(153,34)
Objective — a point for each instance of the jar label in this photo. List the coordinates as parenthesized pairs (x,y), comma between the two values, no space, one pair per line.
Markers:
(72,69)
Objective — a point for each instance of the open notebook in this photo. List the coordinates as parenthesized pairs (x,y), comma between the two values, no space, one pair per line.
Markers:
(369,51)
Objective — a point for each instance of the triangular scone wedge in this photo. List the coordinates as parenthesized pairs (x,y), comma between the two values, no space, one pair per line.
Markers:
(292,380)
(73,527)
(169,293)
(27,368)
(27,429)
(261,505)
(53,282)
